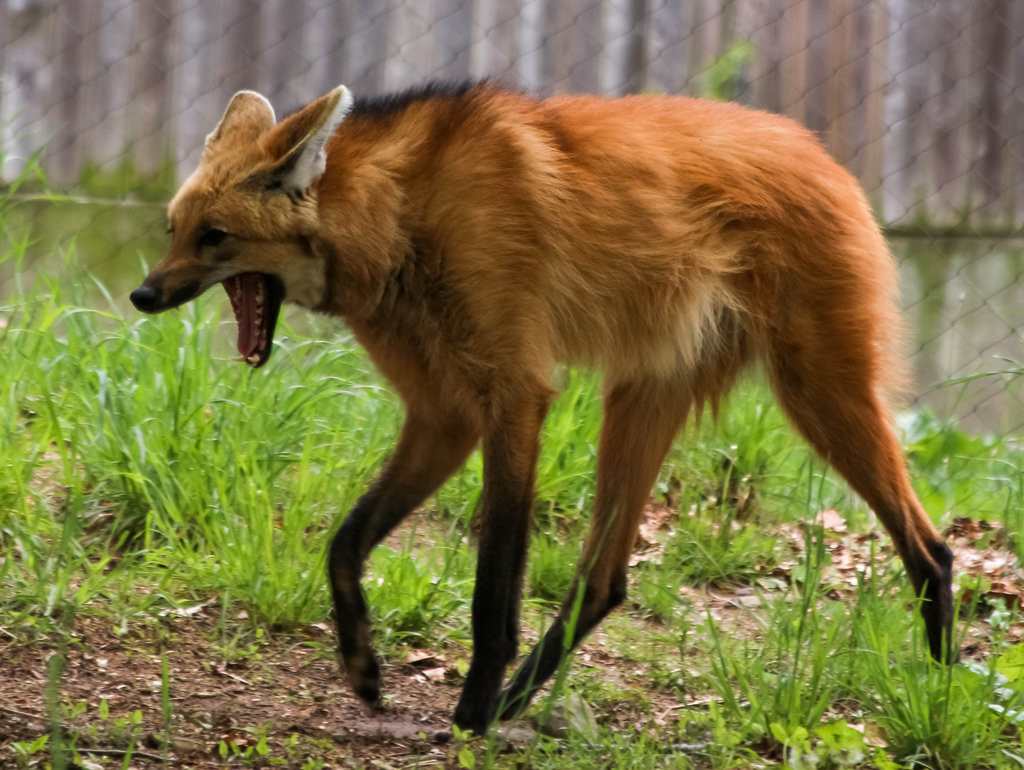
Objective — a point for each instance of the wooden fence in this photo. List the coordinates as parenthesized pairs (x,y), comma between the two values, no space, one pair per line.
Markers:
(922,99)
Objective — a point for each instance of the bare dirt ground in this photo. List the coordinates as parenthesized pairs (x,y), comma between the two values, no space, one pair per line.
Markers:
(291,690)
(281,701)
(290,685)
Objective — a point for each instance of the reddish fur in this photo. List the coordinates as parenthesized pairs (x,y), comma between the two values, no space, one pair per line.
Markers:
(472,241)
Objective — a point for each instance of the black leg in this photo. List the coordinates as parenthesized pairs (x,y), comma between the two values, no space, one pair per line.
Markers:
(502,550)
(510,458)
(427,453)
(934,580)
(369,521)
(640,421)
(544,659)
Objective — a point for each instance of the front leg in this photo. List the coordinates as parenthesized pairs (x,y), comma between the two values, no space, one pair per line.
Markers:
(511,446)
(433,444)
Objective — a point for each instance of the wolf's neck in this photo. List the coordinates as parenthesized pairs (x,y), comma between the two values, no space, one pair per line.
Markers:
(375,193)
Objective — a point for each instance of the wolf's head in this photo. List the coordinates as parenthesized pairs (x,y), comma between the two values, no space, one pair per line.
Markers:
(246,217)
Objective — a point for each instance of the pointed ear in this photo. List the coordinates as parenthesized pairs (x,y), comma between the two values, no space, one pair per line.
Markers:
(302,141)
(248,115)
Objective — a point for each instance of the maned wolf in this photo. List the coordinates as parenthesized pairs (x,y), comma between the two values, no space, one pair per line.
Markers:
(472,237)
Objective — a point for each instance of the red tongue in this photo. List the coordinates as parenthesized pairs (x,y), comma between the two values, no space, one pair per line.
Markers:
(247,303)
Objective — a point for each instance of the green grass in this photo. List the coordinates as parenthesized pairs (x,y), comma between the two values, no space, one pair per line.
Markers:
(142,469)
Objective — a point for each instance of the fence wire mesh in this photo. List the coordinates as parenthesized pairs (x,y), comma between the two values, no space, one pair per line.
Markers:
(922,99)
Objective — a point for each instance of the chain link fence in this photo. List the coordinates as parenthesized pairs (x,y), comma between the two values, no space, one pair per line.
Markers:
(922,99)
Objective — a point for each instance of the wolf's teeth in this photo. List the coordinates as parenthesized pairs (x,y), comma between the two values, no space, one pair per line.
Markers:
(253,359)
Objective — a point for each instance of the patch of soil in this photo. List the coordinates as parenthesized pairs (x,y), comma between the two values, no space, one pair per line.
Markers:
(289,690)
(282,701)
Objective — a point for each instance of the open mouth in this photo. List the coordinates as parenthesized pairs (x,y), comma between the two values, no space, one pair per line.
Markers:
(256,299)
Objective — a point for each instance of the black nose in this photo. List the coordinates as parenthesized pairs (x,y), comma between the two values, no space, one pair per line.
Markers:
(144,298)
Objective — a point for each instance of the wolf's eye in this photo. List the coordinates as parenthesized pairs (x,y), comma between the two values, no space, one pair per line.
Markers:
(212,237)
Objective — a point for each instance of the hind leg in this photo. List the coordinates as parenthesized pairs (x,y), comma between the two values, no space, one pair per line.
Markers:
(835,403)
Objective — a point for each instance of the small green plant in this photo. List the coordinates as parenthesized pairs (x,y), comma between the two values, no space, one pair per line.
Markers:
(657,590)
(707,548)
(955,715)
(552,567)
(959,472)
(248,750)
(461,750)
(29,753)
(126,730)
(796,745)
(788,677)
(239,645)
(120,732)
(419,598)
(840,744)
(831,745)
(722,78)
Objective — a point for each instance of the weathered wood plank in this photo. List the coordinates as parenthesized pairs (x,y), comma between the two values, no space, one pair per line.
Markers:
(1015,125)
(636,46)
(241,44)
(554,51)
(948,106)
(452,34)
(365,44)
(586,49)
(991,180)
(616,48)
(767,41)
(904,166)
(921,99)
(531,44)
(75,93)
(870,152)
(151,107)
(666,47)
(494,50)
(281,68)
(793,65)
(820,23)
(701,45)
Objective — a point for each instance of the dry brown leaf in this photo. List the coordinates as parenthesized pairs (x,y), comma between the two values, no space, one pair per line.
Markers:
(655,520)
(423,659)
(831,520)
(436,675)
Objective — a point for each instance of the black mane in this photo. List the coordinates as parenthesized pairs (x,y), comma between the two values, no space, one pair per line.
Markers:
(384,105)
